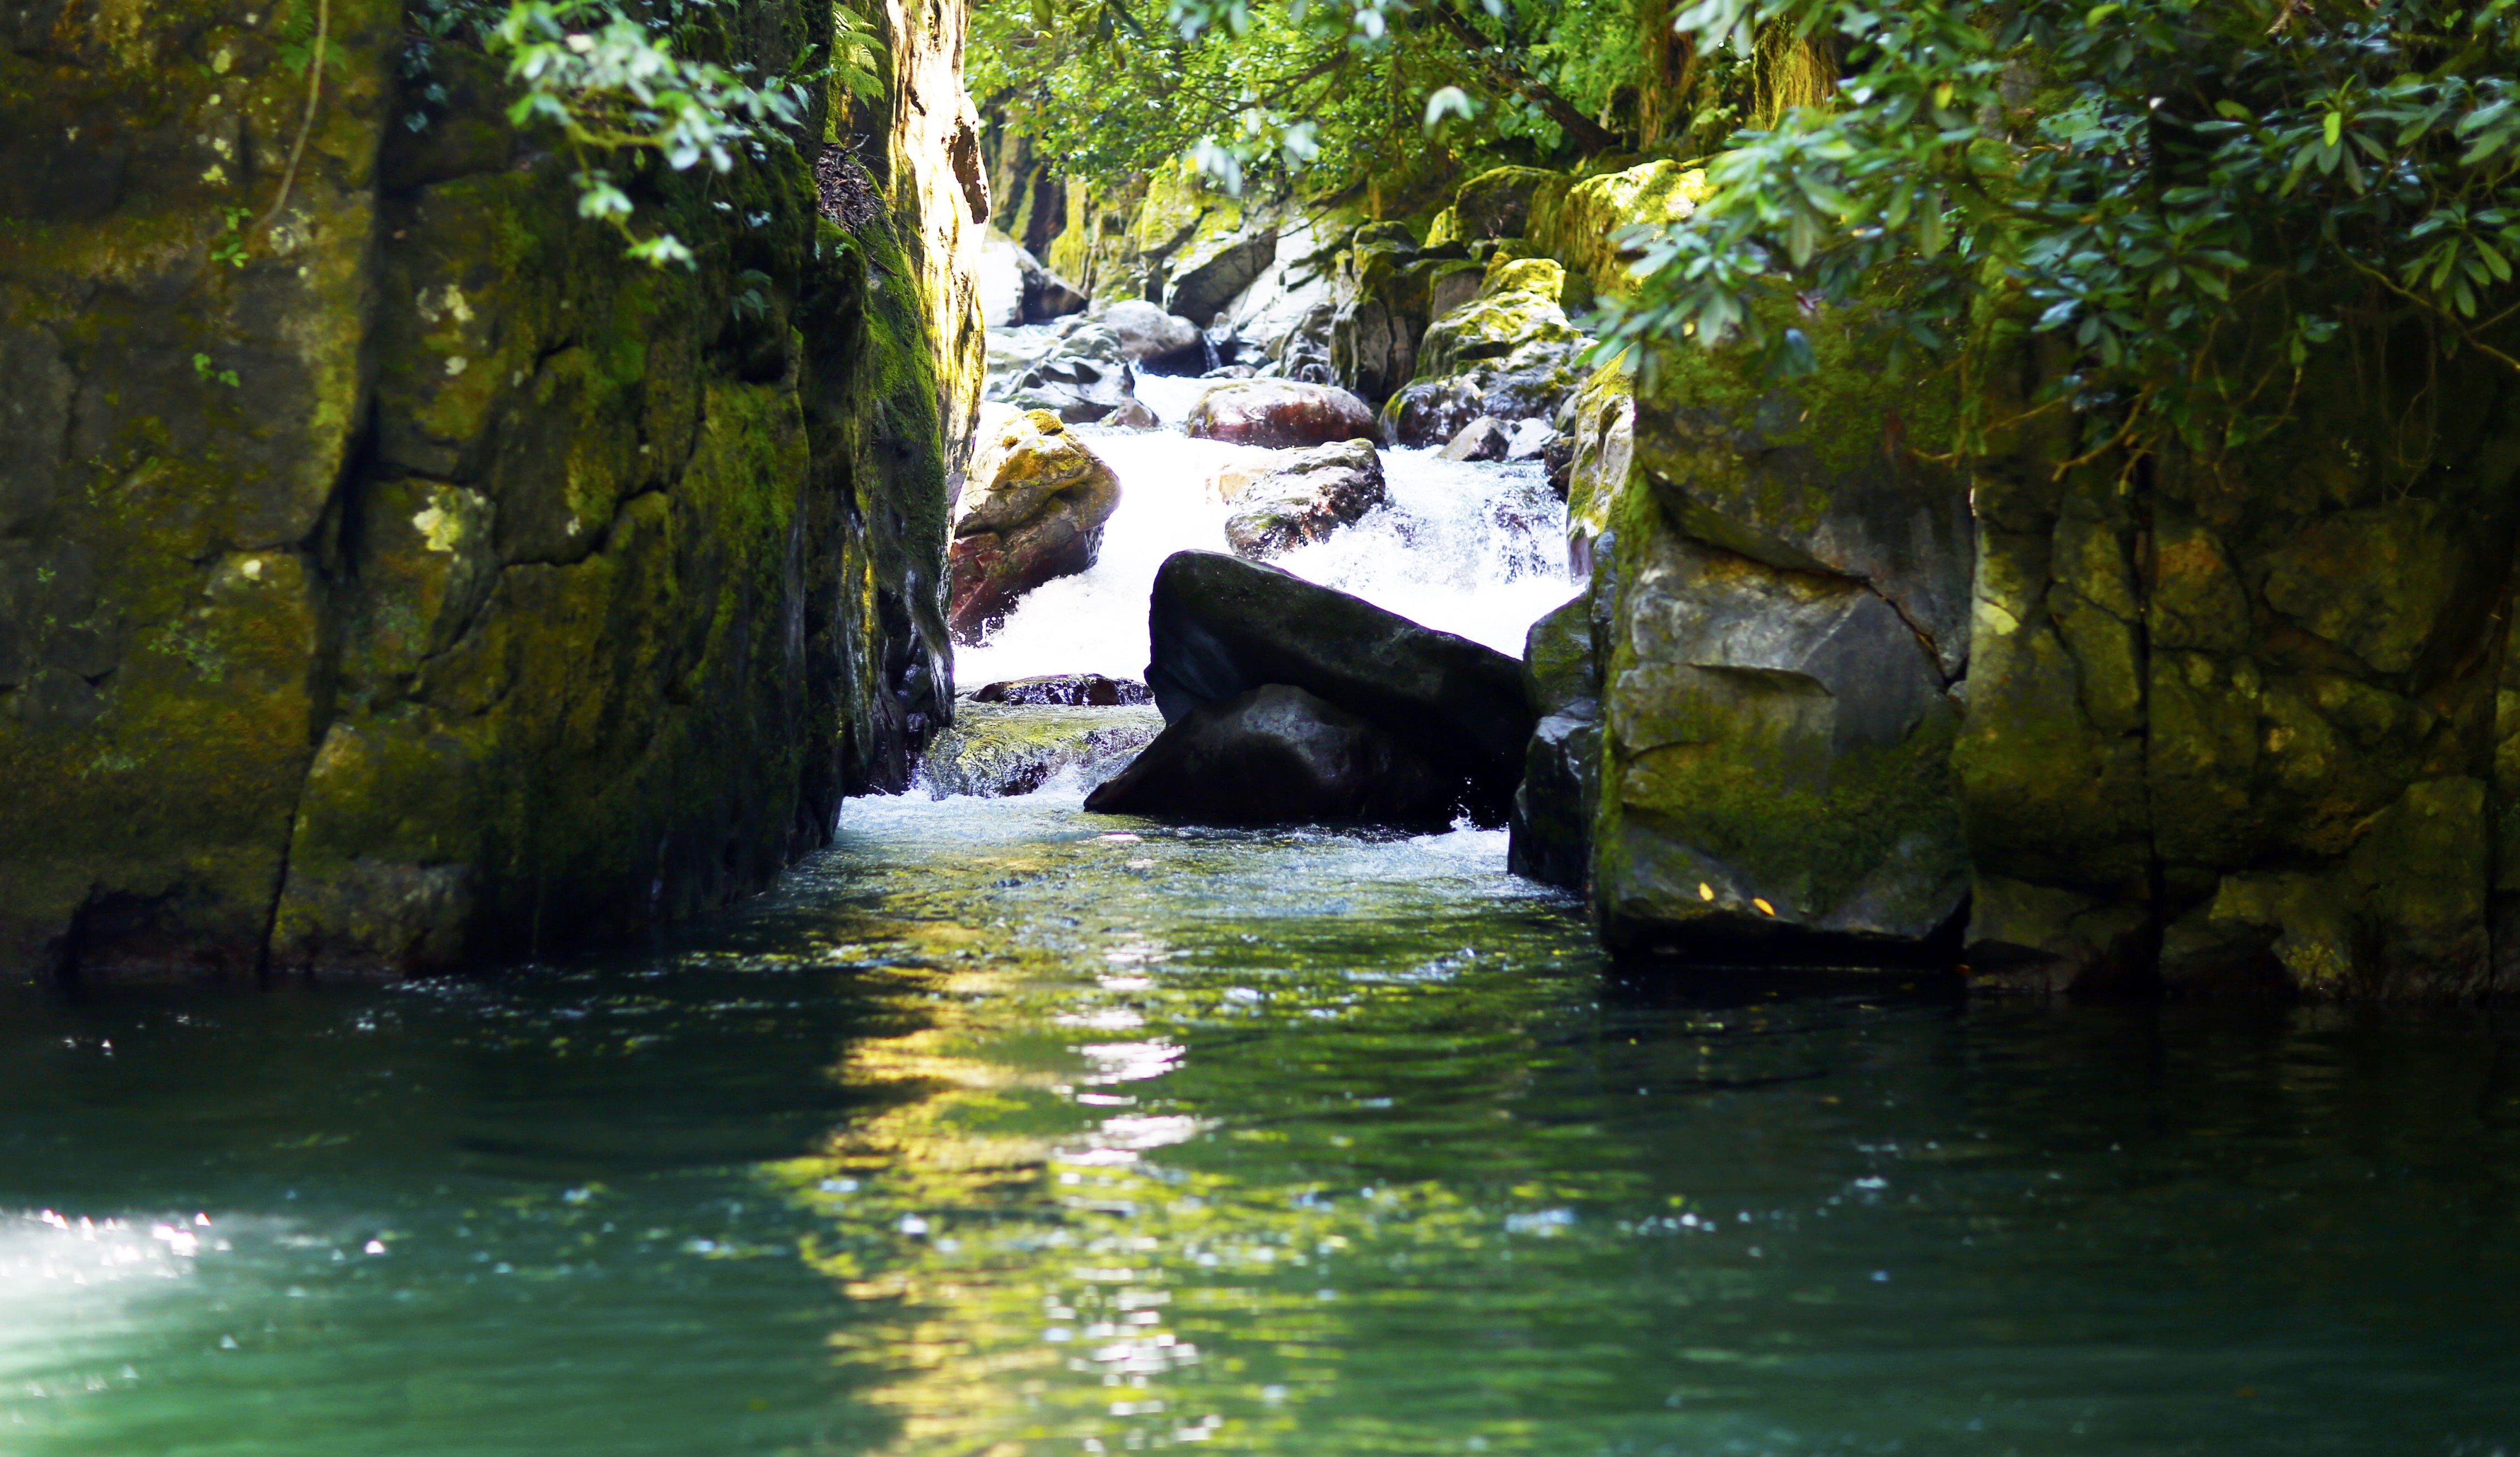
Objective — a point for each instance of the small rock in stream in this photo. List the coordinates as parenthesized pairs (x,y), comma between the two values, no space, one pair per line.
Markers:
(1480,439)
(1311,494)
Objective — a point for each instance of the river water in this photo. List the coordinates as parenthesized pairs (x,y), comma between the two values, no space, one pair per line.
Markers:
(1000,1128)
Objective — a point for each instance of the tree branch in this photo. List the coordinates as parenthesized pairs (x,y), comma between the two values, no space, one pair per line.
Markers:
(1580,128)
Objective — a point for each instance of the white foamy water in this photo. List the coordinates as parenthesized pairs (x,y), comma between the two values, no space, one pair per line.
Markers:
(1476,550)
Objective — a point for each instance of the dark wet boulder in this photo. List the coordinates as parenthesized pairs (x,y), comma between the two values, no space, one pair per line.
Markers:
(1306,498)
(1277,754)
(1083,377)
(1552,809)
(1220,626)
(1067,691)
(1432,412)
(1280,413)
(1034,511)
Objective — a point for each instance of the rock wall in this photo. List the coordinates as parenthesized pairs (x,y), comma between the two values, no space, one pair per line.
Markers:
(2242,723)
(2178,724)
(417,577)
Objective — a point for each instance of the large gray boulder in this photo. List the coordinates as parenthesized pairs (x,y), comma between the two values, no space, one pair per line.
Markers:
(1277,754)
(1084,376)
(1220,626)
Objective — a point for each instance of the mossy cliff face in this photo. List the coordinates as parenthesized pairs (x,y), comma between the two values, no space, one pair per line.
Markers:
(2244,722)
(437,581)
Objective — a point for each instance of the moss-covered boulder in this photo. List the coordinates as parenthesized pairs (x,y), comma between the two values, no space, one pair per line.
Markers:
(1777,710)
(1497,202)
(1032,512)
(1510,349)
(1580,224)
(1602,440)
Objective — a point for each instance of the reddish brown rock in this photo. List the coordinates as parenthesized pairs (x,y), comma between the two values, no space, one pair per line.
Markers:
(1281,414)
(1033,512)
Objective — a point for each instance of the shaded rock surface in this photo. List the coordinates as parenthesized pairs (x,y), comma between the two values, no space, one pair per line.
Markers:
(1279,413)
(1304,498)
(1220,627)
(995,749)
(2252,726)
(1277,754)
(1776,728)
(1033,511)
(1552,807)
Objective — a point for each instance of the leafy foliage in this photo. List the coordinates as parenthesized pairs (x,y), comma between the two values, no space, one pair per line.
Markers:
(2193,195)
(1342,90)
(616,85)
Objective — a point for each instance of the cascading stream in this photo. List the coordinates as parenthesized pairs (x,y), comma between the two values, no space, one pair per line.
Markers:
(1469,548)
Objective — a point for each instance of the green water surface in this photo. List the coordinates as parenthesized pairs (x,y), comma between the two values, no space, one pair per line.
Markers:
(993,1134)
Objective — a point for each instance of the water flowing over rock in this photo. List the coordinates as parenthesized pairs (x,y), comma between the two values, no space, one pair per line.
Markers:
(1305,498)
(437,581)
(1280,414)
(1067,691)
(1220,627)
(997,749)
(1277,754)
(1034,511)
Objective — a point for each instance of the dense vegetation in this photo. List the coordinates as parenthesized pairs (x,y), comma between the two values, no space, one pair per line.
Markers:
(2194,194)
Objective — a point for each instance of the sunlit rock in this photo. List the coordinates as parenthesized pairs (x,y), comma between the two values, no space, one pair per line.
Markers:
(1033,511)
(1280,413)
(1305,498)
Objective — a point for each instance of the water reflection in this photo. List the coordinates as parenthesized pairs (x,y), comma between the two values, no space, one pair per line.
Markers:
(1001,1131)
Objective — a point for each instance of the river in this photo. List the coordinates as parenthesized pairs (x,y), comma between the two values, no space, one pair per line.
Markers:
(1001,1128)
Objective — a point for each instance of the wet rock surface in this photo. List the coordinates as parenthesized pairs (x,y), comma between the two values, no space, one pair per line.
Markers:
(1280,414)
(1304,498)
(1033,511)
(1277,754)
(1220,626)
(1560,790)
(1067,691)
